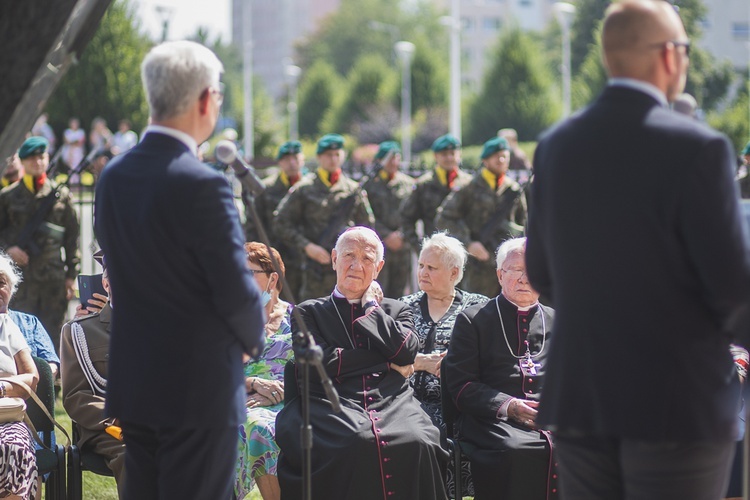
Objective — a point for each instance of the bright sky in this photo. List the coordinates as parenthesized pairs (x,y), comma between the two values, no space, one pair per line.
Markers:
(186,17)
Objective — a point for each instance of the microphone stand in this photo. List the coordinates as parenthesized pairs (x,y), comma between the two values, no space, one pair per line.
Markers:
(306,353)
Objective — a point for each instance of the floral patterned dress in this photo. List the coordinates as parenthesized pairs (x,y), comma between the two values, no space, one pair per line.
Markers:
(258,451)
(434,337)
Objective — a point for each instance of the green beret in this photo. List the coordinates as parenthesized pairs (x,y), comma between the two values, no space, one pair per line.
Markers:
(289,148)
(385,148)
(446,141)
(746,151)
(493,146)
(330,141)
(33,146)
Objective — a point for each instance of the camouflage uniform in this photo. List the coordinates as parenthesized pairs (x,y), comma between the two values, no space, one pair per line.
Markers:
(466,212)
(266,203)
(386,197)
(429,192)
(42,292)
(305,214)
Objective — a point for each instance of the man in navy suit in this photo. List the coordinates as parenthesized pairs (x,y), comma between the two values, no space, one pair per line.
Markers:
(184,305)
(635,235)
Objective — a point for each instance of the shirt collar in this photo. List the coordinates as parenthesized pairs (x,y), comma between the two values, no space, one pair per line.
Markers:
(337,294)
(176,134)
(641,86)
(525,308)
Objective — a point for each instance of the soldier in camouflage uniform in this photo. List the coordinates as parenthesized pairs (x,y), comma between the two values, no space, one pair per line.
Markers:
(431,189)
(744,181)
(386,190)
(483,214)
(316,210)
(47,277)
(290,161)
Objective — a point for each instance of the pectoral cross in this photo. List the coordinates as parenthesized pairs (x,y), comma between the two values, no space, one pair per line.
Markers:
(528,362)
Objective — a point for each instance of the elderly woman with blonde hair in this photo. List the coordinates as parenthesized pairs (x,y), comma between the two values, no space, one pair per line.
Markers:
(18,471)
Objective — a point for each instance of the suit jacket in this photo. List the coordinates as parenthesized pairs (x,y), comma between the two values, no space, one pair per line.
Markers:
(635,234)
(185,306)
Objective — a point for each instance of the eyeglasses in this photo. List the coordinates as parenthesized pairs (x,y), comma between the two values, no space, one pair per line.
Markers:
(218,91)
(676,43)
(515,274)
(258,271)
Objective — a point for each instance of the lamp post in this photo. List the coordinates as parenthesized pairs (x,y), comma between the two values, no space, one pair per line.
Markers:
(564,13)
(247,77)
(453,22)
(405,52)
(165,14)
(292,73)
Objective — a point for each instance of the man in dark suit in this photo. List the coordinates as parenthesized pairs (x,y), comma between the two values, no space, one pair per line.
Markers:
(636,236)
(185,306)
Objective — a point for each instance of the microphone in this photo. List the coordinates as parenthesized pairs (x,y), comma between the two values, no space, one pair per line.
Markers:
(226,153)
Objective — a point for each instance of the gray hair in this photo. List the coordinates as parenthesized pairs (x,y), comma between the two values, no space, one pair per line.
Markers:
(508,247)
(451,250)
(10,270)
(362,234)
(175,74)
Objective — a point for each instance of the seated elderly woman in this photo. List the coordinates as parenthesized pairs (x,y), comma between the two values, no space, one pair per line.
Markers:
(18,472)
(264,379)
(435,307)
(382,444)
(494,371)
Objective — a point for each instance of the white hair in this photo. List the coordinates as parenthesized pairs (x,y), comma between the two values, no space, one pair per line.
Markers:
(508,247)
(10,270)
(364,235)
(175,74)
(451,250)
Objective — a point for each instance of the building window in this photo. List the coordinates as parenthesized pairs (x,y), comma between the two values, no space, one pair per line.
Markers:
(491,24)
(741,31)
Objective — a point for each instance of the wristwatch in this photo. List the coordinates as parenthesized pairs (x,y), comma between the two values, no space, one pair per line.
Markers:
(370,303)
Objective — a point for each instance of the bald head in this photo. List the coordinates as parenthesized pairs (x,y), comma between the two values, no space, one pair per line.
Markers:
(635,38)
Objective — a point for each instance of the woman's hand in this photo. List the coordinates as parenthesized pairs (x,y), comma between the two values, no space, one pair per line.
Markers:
(429,362)
(523,411)
(406,371)
(271,390)
(256,400)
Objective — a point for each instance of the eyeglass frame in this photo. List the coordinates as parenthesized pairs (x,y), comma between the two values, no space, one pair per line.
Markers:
(512,272)
(675,43)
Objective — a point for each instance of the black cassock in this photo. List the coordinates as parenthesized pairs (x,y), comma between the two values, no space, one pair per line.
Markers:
(508,460)
(382,445)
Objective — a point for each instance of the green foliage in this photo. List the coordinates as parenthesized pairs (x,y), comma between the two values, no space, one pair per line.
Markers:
(584,31)
(370,84)
(319,88)
(517,92)
(591,77)
(106,81)
(429,77)
(735,120)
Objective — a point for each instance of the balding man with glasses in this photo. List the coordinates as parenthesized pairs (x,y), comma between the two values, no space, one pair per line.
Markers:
(640,388)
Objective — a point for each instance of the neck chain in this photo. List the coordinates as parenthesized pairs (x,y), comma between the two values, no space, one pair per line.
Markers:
(527,356)
(336,307)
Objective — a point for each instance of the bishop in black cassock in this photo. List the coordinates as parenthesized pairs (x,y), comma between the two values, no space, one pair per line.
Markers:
(382,445)
(494,372)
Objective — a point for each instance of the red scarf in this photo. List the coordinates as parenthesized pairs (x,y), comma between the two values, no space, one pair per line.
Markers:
(333,177)
(452,177)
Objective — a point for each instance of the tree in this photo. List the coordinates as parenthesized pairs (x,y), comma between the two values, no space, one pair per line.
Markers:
(106,81)
(318,89)
(584,33)
(429,78)
(591,77)
(371,83)
(517,92)
(734,120)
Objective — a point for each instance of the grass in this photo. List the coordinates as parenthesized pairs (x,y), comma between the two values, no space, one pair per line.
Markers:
(97,487)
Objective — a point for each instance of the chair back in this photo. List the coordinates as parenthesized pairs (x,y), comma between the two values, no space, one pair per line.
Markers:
(45,390)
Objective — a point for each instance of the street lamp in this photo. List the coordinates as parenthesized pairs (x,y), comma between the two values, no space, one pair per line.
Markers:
(247,79)
(564,13)
(292,73)
(453,22)
(165,14)
(405,52)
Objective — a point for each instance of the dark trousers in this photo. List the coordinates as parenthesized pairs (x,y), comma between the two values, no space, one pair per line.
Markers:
(179,463)
(622,469)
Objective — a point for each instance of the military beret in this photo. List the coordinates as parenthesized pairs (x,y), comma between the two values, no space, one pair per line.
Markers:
(446,141)
(330,141)
(289,148)
(34,145)
(493,146)
(385,148)
(746,151)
